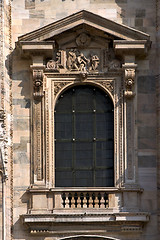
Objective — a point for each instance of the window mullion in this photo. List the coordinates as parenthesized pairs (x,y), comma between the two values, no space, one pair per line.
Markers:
(73,138)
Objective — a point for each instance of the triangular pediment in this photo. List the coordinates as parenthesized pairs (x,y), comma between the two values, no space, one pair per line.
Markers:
(91,21)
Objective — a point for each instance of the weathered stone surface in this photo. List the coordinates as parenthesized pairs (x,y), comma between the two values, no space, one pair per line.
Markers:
(147,161)
(146,84)
(25,103)
(21,124)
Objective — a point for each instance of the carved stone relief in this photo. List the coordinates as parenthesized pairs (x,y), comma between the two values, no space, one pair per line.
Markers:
(83,40)
(73,60)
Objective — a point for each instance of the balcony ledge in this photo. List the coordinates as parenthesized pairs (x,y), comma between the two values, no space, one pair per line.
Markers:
(85,217)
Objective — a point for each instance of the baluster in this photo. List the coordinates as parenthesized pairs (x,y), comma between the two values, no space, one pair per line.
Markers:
(106,200)
(99,200)
(78,201)
(102,201)
(90,201)
(93,199)
(69,199)
(66,200)
(75,199)
(85,201)
(96,201)
(87,198)
(82,200)
(72,201)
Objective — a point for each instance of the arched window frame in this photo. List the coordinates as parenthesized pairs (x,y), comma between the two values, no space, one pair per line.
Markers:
(73,140)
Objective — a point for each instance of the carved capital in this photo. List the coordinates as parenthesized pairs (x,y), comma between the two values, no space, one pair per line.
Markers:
(38,83)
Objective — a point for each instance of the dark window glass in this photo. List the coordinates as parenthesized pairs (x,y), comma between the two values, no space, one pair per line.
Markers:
(84,132)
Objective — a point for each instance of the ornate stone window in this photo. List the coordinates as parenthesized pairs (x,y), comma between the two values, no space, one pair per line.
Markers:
(84,54)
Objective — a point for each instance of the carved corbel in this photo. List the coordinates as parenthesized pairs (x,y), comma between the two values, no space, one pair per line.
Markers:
(129,79)
(38,84)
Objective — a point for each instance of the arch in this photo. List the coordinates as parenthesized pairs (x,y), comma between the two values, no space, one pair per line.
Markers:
(89,237)
(89,83)
(84,133)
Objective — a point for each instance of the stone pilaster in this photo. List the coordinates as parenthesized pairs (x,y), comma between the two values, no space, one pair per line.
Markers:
(38,120)
(129,118)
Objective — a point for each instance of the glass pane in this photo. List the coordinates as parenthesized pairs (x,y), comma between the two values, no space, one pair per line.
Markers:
(84,155)
(104,178)
(64,103)
(63,154)
(104,154)
(64,179)
(63,126)
(84,179)
(103,102)
(104,125)
(84,99)
(84,126)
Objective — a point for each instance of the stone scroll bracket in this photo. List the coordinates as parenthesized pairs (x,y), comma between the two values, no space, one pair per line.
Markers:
(38,136)
(129,119)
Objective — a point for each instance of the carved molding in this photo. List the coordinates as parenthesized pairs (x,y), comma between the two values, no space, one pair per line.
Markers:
(3,144)
(109,85)
(59,85)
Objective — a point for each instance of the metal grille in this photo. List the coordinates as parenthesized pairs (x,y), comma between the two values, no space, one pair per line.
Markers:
(84,138)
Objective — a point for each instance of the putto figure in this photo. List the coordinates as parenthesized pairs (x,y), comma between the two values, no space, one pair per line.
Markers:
(77,61)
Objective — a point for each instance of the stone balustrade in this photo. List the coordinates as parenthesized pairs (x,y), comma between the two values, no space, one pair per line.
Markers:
(85,200)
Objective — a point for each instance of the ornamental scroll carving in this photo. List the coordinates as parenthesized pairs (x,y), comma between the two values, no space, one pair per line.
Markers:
(129,82)
(38,84)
